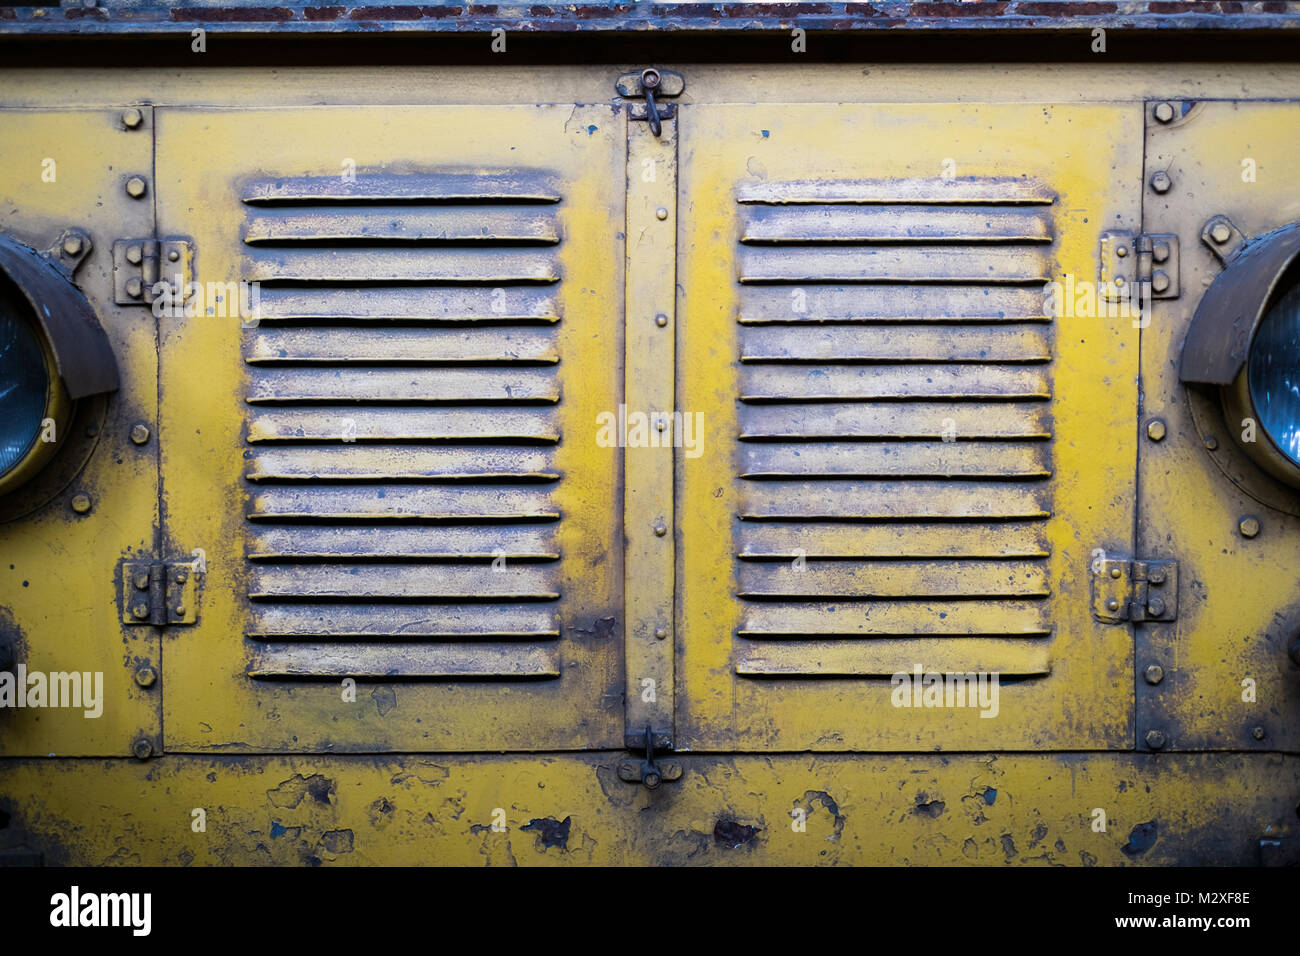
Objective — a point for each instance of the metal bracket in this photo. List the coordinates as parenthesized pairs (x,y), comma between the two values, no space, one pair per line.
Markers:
(1135,591)
(139,265)
(1224,239)
(161,593)
(647,771)
(1129,260)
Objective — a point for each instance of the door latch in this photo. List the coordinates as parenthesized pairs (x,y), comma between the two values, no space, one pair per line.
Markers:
(1135,591)
(653,86)
(647,771)
(162,593)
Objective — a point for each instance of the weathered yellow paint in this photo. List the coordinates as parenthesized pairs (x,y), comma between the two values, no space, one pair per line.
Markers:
(58,569)
(1010,809)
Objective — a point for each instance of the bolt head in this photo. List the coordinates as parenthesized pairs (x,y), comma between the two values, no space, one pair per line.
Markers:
(134,254)
(1155,739)
(1161,182)
(72,245)
(145,675)
(652,779)
(140,612)
(1160,251)
(1220,233)
(1154,674)
(1156,605)
(135,287)
(1248,526)
(141,580)
(81,503)
(135,187)
(1257,733)
(1156,575)
(132,118)
(142,748)
(1164,112)
(1155,429)
(1211,443)
(1159,281)
(139,434)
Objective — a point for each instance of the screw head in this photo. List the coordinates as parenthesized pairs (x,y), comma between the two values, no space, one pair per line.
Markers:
(132,118)
(652,779)
(1154,674)
(140,612)
(139,433)
(1156,605)
(72,245)
(145,675)
(661,320)
(1155,739)
(1211,443)
(1161,182)
(135,187)
(1257,733)
(1164,112)
(142,748)
(81,503)
(135,287)
(1220,233)
(1248,526)
(1155,429)
(1159,281)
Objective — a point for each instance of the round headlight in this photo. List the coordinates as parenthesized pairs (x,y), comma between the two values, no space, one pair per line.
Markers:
(1273,374)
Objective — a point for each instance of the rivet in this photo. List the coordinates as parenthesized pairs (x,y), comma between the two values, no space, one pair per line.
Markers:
(173,256)
(81,503)
(661,320)
(1156,605)
(145,675)
(1155,739)
(660,633)
(1160,251)
(660,528)
(661,424)
(1257,733)
(1211,442)
(72,245)
(1154,674)
(142,748)
(1164,112)
(1122,251)
(139,433)
(135,187)
(661,213)
(1161,182)
(1112,605)
(140,612)
(1119,280)
(132,118)
(1248,526)
(135,287)
(182,576)
(1115,572)
(1220,233)
(180,610)
(1159,281)
(1155,429)
(134,254)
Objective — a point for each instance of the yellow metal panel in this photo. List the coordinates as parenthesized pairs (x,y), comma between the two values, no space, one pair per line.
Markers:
(58,590)
(1239,609)
(878,462)
(419,506)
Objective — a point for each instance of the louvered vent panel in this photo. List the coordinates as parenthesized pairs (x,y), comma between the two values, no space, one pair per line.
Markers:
(895,445)
(402,397)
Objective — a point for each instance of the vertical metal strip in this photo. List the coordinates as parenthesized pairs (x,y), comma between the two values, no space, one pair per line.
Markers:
(646,424)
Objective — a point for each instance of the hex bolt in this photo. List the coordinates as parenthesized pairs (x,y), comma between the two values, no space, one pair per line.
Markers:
(661,320)
(1155,739)
(1248,526)
(134,254)
(1156,575)
(1154,674)
(141,580)
(661,213)
(140,611)
(1164,112)
(1159,281)
(661,633)
(1257,733)
(1155,429)
(72,245)
(1161,182)
(140,433)
(1156,605)
(132,118)
(135,187)
(81,503)
(142,748)
(1211,443)
(135,287)
(1220,233)
(145,675)
(1160,252)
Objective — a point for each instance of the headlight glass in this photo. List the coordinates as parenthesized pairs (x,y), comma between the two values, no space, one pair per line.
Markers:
(24,382)
(1274,373)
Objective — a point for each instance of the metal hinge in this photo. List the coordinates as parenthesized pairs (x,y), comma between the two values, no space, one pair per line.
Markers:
(162,593)
(1139,266)
(143,269)
(651,85)
(1131,590)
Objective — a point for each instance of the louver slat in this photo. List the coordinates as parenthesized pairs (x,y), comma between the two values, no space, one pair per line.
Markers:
(895,463)
(402,395)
